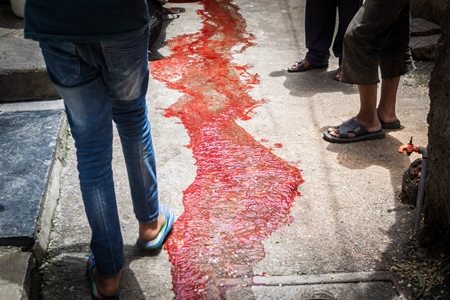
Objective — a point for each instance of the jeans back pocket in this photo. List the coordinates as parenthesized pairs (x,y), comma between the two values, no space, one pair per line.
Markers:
(63,65)
(125,55)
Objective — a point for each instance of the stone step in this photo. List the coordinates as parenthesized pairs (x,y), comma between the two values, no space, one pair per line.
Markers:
(424,39)
(23,75)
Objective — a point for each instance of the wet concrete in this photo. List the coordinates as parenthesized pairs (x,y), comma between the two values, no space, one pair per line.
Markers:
(347,220)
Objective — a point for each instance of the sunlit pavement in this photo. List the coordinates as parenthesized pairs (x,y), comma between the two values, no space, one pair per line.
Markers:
(266,208)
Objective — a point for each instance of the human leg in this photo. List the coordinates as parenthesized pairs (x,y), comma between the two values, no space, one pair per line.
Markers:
(320,21)
(395,56)
(346,11)
(395,60)
(367,37)
(367,115)
(371,117)
(367,34)
(388,99)
(320,18)
(72,70)
(133,126)
(102,286)
(128,84)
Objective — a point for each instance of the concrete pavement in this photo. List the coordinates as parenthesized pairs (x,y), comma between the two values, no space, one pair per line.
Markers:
(23,75)
(346,229)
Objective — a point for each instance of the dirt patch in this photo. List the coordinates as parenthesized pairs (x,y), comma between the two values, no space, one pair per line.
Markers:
(424,272)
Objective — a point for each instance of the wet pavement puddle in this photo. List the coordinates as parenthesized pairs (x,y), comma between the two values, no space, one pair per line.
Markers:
(242,192)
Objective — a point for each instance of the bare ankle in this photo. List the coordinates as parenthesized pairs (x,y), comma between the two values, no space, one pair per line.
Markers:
(107,286)
(386,115)
(148,231)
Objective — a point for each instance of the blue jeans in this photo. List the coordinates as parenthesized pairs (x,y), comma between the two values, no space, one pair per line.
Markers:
(103,82)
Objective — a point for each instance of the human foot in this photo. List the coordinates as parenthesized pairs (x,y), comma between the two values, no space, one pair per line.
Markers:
(393,124)
(304,65)
(102,287)
(148,231)
(351,131)
(338,74)
(387,117)
(152,235)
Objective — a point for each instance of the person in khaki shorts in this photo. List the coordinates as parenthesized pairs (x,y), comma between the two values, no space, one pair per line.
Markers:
(373,42)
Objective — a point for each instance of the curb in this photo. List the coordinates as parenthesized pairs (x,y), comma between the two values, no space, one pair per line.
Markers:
(262,285)
(15,278)
(18,264)
(51,194)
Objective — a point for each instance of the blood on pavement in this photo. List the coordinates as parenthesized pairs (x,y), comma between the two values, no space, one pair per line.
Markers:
(242,192)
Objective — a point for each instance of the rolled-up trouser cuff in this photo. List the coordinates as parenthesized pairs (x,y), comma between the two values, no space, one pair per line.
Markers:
(371,42)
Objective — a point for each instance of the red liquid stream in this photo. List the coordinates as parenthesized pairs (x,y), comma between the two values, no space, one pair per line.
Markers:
(242,192)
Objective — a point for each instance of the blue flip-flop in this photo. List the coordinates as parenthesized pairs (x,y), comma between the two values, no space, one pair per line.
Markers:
(95,295)
(165,230)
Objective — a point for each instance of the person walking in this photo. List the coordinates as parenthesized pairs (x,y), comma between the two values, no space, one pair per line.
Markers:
(96,57)
(370,43)
(320,23)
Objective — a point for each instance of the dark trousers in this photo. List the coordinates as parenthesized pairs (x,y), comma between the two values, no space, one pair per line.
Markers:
(373,42)
(320,23)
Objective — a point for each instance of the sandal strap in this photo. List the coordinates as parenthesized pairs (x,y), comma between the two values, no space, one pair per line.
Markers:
(351,126)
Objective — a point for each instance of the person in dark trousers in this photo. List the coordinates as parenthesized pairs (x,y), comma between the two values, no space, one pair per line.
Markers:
(371,43)
(320,24)
(96,57)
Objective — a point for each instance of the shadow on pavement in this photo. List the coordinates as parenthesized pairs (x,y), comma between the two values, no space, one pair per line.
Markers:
(310,83)
(416,269)
(64,274)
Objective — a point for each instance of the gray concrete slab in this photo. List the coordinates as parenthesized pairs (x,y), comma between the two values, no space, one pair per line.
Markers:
(360,290)
(360,285)
(15,277)
(23,75)
(27,152)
